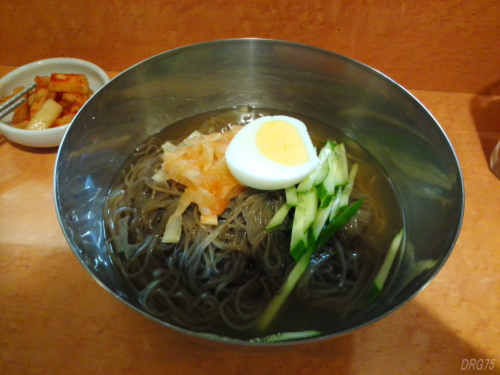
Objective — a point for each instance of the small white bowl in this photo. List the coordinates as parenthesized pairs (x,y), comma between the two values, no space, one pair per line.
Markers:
(25,75)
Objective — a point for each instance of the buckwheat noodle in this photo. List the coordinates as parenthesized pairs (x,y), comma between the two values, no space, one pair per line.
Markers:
(226,274)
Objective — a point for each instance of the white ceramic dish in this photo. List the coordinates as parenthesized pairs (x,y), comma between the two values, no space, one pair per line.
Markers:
(24,76)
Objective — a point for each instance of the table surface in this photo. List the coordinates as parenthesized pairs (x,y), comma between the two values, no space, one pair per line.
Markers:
(55,319)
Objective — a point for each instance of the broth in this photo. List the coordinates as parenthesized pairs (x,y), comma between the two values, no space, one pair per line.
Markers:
(370,248)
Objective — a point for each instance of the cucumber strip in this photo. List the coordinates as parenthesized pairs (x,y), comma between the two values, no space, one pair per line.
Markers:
(381,277)
(306,211)
(326,189)
(298,242)
(291,196)
(305,241)
(310,207)
(320,220)
(277,337)
(331,144)
(337,223)
(293,278)
(287,336)
(323,191)
(346,193)
(319,172)
(327,199)
(279,299)
(279,216)
(339,165)
(336,203)
(323,172)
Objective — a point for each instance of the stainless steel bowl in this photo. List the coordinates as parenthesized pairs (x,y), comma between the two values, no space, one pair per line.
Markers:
(367,106)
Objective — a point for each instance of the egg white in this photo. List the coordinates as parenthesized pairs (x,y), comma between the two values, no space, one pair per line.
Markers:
(251,168)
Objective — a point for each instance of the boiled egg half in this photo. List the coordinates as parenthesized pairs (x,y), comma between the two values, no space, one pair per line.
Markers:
(271,153)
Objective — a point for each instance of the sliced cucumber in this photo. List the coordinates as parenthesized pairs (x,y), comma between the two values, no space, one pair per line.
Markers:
(319,173)
(279,216)
(323,172)
(346,193)
(335,208)
(289,285)
(291,196)
(381,277)
(336,174)
(298,242)
(318,216)
(310,207)
(305,214)
(286,336)
(326,189)
(320,220)
(337,223)
(339,165)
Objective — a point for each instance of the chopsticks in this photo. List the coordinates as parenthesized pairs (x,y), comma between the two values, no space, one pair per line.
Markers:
(15,101)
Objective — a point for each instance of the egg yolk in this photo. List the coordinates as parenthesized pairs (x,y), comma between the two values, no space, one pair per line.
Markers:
(281,142)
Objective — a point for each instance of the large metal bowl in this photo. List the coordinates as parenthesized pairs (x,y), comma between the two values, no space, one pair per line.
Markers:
(367,106)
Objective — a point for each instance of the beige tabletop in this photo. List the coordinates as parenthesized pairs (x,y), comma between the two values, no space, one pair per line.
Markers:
(55,319)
